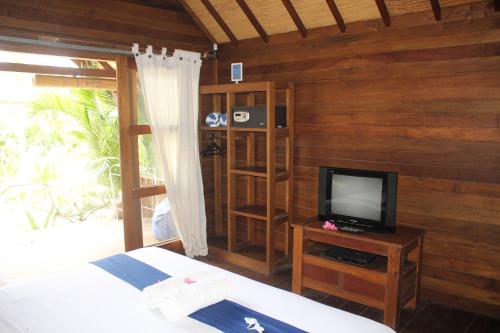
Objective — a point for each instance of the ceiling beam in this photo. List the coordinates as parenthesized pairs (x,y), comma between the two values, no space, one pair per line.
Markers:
(105,65)
(295,17)
(248,12)
(336,14)
(220,21)
(197,21)
(384,13)
(436,9)
(56,81)
(53,70)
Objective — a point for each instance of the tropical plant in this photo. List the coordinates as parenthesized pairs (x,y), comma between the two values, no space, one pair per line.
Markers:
(95,124)
(9,155)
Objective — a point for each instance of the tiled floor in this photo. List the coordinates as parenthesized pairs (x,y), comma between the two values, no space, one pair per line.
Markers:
(427,318)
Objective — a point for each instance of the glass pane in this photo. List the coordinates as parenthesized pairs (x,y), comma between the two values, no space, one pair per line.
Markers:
(142,117)
(157,221)
(150,172)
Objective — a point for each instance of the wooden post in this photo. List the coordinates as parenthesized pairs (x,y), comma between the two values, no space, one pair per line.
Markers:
(289,146)
(132,222)
(395,262)
(231,188)
(250,179)
(250,186)
(217,107)
(298,240)
(271,175)
(418,261)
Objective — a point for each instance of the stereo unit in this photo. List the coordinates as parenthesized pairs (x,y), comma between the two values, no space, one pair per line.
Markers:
(255,117)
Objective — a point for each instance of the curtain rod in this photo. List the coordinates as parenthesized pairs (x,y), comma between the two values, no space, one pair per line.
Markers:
(37,42)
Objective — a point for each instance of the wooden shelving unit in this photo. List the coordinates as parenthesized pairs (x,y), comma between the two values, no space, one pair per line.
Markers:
(252,212)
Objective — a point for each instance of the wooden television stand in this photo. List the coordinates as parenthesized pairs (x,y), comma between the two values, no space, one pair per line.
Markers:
(389,283)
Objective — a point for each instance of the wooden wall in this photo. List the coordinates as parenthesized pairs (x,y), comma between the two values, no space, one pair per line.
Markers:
(101,22)
(419,98)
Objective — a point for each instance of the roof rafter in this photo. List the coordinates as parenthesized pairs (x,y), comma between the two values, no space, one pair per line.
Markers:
(336,14)
(248,12)
(384,13)
(295,17)
(220,21)
(436,9)
(197,21)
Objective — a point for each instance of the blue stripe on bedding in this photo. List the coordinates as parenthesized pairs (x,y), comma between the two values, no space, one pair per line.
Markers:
(130,270)
(225,316)
(229,317)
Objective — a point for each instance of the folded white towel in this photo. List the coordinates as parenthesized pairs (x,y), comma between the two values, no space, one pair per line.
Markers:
(152,294)
(178,297)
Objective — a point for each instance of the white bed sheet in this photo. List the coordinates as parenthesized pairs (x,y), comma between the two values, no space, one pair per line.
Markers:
(88,299)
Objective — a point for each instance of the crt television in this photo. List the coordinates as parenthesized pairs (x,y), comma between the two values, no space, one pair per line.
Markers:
(358,198)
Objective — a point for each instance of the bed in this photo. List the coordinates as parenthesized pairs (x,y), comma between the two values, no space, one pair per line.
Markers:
(89,299)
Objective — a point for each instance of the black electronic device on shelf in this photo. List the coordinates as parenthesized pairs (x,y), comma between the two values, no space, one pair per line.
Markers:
(349,256)
(255,116)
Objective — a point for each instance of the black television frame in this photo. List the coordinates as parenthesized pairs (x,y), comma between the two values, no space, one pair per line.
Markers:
(387,221)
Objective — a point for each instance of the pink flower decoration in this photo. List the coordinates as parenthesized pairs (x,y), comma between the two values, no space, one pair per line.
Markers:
(188,280)
(329,226)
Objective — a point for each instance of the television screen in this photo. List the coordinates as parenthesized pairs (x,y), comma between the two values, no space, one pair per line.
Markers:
(359,197)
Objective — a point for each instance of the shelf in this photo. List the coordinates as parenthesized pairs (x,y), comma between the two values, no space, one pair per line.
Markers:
(259,212)
(235,88)
(281,131)
(244,129)
(375,274)
(277,131)
(259,171)
(255,251)
(376,271)
(252,257)
(208,128)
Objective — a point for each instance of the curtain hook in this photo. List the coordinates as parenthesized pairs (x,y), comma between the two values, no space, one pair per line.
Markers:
(135,49)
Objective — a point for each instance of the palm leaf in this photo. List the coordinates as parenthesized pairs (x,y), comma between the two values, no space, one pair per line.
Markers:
(94,112)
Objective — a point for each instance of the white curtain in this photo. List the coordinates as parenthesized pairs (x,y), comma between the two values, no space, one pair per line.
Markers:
(170,89)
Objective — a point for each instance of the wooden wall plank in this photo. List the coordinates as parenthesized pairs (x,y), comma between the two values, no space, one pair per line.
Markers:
(421,99)
(114,24)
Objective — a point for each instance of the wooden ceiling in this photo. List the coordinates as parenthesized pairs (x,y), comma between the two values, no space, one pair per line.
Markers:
(233,20)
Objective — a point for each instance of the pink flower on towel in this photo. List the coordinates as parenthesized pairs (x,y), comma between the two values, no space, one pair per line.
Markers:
(188,280)
(329,226)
